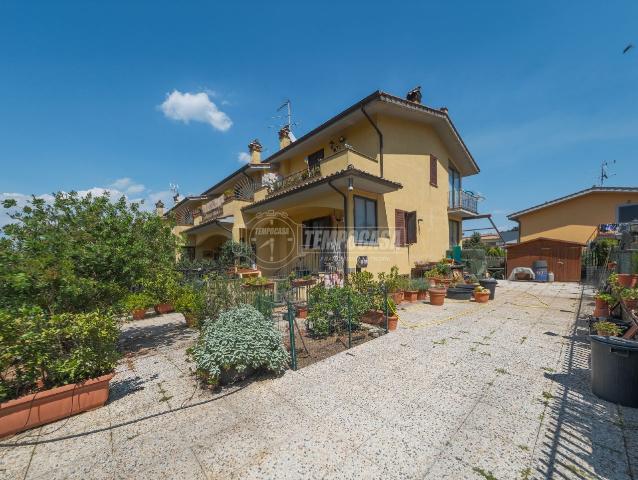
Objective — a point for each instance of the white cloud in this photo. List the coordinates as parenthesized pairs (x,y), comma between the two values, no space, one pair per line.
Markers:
(128,186)
(196,107)
(243,157)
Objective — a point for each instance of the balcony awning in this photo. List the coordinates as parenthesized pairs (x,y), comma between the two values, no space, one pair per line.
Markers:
(311,189)
(224,224)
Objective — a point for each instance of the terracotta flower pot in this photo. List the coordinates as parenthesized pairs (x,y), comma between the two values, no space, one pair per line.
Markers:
(51,405)
(437,296)
(393,322)
(302,312)
(422,295)
(397,297)
(625,280)
(162,308)
(630,304)
(138,314)
(481,297)
(410,295)
(373,317)
(602,308)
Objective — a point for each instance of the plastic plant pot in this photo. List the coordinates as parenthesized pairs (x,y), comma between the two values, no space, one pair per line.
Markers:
(614,370)
(490,284)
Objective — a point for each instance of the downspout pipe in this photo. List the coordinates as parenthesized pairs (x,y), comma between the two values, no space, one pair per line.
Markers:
(345,224)
(363,110)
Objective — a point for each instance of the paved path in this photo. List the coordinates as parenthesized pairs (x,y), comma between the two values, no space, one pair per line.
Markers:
(463,391)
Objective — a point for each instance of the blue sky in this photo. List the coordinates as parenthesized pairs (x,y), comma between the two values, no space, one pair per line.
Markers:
(540,91)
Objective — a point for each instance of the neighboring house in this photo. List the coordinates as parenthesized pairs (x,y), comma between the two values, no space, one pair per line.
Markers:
(576,217)
(381,181)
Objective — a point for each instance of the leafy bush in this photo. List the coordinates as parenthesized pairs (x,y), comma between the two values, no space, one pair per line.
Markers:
(240,341)
(221,293)
(605,297)
(79,253)
(363,282)
(190,301)
(391,280)
(162,285)
(331,309)
(607,328)
(137,301)
(53,350)
(496,252)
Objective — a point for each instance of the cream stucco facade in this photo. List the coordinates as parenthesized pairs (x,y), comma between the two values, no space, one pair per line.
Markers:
(575,218)
(382,149)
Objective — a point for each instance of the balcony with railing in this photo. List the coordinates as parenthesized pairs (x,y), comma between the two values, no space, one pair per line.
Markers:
(463,202)
(329,165)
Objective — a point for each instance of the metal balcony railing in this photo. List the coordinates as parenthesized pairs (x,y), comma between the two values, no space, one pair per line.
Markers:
(294,179)
(464,200)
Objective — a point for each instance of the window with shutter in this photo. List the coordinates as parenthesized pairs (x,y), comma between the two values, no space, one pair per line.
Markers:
(405,226)
(399,227)
(410,224)
(433,171)
(365,221)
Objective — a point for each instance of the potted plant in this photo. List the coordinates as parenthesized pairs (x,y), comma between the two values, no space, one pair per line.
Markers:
(258,282)
(629,297)
(393,284)
(229,194)
(190,302)
(431,276)
(137,304)
(305,281)
(54,366)
(393,318)
(162,286)
(302,310)
(607,329)
(626,280)
(421,287)
(437,295)
(603,300)
(409,293)
(481,294)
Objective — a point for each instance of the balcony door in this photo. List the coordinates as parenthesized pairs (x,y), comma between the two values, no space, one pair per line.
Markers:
(455,188)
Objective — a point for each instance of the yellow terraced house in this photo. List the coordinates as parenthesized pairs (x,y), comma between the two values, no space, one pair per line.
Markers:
(379,184)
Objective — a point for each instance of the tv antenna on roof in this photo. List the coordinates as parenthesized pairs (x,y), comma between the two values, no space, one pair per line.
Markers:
(604,171)
(175,189)
(287,107)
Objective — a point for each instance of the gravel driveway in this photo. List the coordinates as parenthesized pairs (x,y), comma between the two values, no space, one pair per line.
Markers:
(464,391)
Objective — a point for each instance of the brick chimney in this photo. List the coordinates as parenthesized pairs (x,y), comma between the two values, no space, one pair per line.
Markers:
(414,95)
(255,149)
(159,208)
(284,137)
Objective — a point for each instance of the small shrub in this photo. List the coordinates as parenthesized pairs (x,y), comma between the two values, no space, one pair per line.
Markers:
(607,328)
(53,350)
(330,308)
(137,301)
(190,302)
(240,341)
(605,297)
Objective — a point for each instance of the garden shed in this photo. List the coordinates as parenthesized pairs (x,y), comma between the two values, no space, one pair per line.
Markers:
(563,257)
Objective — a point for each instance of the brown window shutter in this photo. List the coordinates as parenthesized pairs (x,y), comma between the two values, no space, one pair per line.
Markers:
(399,225)
(433,170)
(410,224)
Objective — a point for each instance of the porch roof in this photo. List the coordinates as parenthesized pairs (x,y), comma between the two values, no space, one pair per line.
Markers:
(307,190)
(223,223)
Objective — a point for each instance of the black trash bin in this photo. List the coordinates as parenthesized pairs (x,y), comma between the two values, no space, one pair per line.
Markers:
(614,370)
(490,284)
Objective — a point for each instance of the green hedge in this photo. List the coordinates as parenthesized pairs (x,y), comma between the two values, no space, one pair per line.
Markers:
(37,349)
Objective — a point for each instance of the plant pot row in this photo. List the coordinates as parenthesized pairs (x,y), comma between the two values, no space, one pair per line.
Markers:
(408,296)
(52,405)
(160,309)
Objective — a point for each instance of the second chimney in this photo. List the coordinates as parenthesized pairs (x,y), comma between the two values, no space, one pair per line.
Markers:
(414,95)
(159,208)
(284,137)
(255,149)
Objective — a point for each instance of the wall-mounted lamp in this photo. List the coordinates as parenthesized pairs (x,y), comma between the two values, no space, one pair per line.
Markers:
(350,184)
